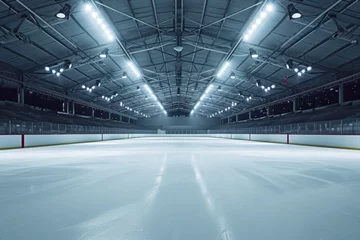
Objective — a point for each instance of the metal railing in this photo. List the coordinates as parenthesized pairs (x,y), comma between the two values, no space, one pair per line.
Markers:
(334,127)
(29,127)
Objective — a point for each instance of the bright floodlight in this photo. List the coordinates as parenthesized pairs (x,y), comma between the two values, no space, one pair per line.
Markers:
(296,70)
(104,53)
(93,87)
(269,7)
(64,12)
(299,74)
(273,86)
(266,90)
(289,64)
(94,14)
(309,68)
(110,37)
(223,68)
(61,70)
(58,74)
(262,15)
(47,68)
(99,21)
(53,71)
(303,71)
(263,87)
(83,87)
(133,68)
(232,76)
(88,7)
(253,53)
(293,12)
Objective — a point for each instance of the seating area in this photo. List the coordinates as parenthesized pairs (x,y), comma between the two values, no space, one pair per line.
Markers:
(334,112)
(13,111)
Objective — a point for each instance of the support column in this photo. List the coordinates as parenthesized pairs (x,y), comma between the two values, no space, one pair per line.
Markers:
(93,112)
(228,119)
(341,93)
(268,111)
(73,107)
(67,105)
(21,95)
(250,115)
(294,105)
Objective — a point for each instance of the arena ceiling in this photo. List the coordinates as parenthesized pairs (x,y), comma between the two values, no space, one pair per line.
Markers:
(168,56)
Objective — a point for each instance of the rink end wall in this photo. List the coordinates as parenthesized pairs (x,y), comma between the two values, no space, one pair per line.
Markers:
(334,141)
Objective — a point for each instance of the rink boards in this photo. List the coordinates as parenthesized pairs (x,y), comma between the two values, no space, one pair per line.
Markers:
(22,141)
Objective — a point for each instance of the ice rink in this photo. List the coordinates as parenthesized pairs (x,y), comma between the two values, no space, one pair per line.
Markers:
(179,189)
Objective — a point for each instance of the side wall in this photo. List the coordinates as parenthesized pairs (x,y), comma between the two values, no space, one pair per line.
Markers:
(276,138)
(10,141)
(40,140)
(114,136)
(179,123)
(341,141)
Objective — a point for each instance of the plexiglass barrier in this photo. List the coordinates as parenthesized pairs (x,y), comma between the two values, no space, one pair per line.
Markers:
(336,127)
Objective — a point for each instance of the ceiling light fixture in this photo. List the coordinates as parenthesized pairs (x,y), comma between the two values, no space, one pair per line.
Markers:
(309,68)
(67,64)
(124,75)
(223,68)
(148,89)
(293,12)
(133,68)
(267,8)
(104,53)
(207,91)
(89,8)
(64,12)
(232,76)
(253,53)
(289,64)
(47,68)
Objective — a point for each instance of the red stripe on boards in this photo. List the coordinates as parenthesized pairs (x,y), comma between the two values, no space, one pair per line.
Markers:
(22,140)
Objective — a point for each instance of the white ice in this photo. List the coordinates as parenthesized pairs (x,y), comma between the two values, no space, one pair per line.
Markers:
(179,188)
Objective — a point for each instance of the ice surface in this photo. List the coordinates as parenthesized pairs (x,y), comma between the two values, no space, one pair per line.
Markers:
(179,188)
